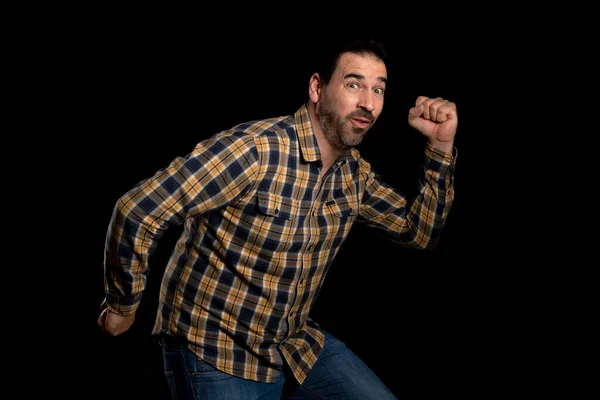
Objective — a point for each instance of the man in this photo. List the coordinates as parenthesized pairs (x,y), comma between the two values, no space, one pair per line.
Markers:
(266,206)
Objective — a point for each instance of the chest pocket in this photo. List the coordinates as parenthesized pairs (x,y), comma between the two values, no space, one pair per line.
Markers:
(341,208)
(275,205)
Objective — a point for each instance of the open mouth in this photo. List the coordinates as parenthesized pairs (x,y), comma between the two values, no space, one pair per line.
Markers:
(360,122)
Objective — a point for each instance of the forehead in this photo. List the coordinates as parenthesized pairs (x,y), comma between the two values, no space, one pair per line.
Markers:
(366,65)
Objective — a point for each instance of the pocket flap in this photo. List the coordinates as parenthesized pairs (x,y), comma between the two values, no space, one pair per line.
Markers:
(341,208)
(276,205)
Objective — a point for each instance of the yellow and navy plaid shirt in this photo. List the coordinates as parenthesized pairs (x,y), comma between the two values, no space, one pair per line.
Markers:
(261,228)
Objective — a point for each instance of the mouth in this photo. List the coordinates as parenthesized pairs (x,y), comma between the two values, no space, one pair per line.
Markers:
(360,122)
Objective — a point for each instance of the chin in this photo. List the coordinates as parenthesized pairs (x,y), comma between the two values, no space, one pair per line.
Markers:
(352,143)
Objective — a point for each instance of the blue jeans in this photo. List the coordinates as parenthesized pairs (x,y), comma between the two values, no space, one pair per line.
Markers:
(338,374)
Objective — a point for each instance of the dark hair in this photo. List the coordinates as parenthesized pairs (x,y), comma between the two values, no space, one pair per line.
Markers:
(331,51)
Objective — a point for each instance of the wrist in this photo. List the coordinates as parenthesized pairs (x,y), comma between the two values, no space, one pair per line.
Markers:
(442,147)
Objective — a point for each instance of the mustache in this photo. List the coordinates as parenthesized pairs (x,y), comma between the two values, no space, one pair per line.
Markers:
(362,114)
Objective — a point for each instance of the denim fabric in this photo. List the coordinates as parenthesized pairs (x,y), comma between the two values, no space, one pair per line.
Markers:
(338,374)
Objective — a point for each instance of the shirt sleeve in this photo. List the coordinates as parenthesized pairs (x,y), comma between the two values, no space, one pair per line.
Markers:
(215,173)
(416,223)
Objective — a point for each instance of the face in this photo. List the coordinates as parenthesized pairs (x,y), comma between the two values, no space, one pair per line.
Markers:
(353,100)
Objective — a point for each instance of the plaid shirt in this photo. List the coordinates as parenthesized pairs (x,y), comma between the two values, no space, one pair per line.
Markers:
(261,228)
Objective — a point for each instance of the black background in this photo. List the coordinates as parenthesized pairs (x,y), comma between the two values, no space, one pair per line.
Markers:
(469,319)
(417,319)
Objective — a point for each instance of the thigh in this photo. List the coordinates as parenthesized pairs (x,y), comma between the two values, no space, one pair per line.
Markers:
(190,378)
(341,374)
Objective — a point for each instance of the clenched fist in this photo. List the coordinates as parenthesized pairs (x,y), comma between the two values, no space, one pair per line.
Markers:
(115,324)
(437,119)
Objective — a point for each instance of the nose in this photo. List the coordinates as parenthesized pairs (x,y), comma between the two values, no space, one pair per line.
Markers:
(366,101)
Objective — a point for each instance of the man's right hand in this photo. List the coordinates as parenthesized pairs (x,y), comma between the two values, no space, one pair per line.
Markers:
(115,324)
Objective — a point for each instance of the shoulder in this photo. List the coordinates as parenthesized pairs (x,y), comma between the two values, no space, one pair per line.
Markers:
(271,133)
(358,163)
(276,126)
(253,138)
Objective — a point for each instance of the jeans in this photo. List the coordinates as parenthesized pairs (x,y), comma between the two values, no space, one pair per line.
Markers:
(338,374)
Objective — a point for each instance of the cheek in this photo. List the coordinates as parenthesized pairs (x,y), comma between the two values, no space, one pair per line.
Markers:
(378,109)
(347,106)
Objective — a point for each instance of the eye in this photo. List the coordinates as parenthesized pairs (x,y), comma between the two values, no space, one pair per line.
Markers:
(379,91)
(352,85)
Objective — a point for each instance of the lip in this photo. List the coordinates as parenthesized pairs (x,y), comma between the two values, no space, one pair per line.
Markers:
(360,122)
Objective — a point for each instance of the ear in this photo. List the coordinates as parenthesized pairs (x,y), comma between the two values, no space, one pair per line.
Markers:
(314,88)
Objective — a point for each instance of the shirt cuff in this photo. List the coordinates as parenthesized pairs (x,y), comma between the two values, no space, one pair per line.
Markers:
(439,161)
(122,305)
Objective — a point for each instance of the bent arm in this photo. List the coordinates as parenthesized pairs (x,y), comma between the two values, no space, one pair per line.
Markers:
(417,223)
(217,171)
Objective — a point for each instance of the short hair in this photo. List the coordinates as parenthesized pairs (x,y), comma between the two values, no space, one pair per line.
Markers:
(331,51)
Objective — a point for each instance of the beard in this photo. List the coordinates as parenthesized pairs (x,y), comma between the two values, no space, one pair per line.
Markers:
(335,128)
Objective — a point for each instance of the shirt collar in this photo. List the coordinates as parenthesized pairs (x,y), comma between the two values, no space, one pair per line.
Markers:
(306,136)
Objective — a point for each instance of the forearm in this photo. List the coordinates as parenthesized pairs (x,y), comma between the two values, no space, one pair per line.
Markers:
(431,207)
(129,243)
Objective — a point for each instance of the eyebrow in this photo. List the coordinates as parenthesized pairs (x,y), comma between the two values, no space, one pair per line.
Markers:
(362,77)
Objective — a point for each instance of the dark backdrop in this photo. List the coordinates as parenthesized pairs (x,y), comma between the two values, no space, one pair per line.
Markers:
(428,323)
(101,97)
